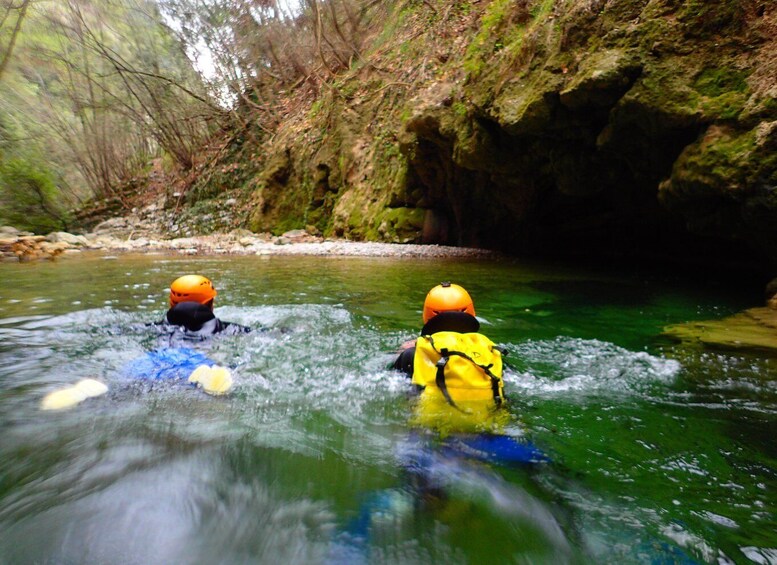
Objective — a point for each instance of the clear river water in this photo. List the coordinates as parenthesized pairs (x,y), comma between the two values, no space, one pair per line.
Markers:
(656,452)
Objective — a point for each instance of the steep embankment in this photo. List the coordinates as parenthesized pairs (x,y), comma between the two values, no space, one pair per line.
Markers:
(585,127)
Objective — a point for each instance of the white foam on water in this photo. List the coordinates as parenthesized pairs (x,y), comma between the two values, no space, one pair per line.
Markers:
(291,315)
(571,365)
(760,555)
(717,519)
(691,541)
(98,317)
(308,366)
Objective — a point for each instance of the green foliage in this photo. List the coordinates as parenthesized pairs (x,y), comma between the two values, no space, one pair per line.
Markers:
(29,196)
(485,41)
(348,89)
(504,27)
(460,109)
(464,8)
(541,9)
(388,149)
(96,88)
(315,108)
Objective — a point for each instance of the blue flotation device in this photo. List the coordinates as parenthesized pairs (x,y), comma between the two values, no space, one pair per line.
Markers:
(494,448)
(166,364)
(422,453)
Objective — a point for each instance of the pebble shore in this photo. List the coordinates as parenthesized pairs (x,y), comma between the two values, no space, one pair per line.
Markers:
(21,246)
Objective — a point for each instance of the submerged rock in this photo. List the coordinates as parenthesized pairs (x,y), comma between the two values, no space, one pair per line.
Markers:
(752,330)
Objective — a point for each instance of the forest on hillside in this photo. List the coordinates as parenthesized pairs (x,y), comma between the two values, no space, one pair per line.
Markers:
(93,91)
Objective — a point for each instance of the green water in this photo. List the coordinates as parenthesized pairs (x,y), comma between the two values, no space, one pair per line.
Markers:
(658,454)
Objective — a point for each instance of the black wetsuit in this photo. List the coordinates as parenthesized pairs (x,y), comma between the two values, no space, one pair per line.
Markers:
(195,321)
(460,322)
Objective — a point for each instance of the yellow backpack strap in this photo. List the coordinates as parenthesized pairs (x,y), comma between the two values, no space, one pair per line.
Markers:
(445,354)
(440,377)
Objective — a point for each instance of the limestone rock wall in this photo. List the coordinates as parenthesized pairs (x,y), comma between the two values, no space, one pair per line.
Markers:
(587,127)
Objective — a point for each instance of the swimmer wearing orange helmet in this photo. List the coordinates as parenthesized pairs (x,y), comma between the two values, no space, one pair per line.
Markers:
(447,307)
(191,309)
(457,369)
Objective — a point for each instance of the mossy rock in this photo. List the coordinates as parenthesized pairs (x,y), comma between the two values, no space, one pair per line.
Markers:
(527,107)
(602,79)
(402,225)
(752,330)
(704,19)
(477,148)
(660,101)
(723,184)
(539,124)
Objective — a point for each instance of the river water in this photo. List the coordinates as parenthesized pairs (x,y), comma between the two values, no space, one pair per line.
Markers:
(656,453)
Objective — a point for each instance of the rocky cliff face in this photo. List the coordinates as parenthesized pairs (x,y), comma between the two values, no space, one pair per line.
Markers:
(597,127)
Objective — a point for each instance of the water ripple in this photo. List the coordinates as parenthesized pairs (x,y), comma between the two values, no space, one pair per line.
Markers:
(570,365)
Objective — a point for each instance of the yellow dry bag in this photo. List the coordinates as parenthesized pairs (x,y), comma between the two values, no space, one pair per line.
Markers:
(459,366)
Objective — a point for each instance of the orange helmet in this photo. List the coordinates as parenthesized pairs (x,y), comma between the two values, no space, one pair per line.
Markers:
(192,288)
(447,297)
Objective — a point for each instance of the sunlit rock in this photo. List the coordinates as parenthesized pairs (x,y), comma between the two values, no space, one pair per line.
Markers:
(69,238)
(752,330)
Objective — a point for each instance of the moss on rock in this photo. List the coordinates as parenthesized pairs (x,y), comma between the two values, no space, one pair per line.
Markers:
(572,125)
(724,185)
(754,330)
(402,225)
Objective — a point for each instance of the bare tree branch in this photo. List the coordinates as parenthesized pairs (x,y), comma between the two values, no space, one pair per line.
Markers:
(14,36)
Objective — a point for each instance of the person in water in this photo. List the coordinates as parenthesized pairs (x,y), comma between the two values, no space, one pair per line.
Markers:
(457,369)
(447,307)
(457,417)
(190,317)
(191,309)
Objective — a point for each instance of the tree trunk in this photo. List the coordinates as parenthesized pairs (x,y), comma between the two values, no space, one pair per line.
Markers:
(14,36)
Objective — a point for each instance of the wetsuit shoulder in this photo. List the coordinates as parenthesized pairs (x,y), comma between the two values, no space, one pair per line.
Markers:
(231,328)
(197,321)
(404,361)
(191,315)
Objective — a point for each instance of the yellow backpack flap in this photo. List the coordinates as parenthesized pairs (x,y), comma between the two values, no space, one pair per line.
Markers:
(461,366)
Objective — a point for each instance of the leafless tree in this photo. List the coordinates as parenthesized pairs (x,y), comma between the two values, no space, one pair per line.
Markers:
(22,11)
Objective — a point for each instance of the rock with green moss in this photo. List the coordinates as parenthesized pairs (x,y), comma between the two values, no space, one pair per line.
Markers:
(402,225)
(527,107)
(752,330)
(724,185)
(602,79)
(591,128)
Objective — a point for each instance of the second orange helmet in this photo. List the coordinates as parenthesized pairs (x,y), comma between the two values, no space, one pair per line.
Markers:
(192,288)
(447,297)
